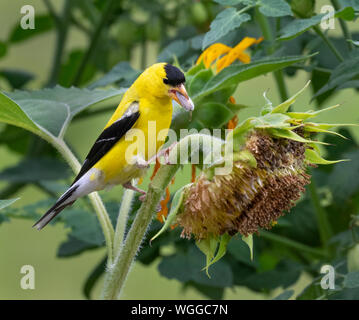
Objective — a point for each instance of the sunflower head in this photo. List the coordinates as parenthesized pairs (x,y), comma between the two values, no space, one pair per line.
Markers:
(271,154)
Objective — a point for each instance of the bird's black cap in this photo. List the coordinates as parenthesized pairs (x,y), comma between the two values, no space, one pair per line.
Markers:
(174,76)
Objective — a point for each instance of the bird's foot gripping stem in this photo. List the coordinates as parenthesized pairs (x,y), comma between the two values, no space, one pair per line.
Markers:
(143,195)
(128,185)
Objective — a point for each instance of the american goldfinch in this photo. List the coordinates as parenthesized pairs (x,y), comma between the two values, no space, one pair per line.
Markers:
(147,102)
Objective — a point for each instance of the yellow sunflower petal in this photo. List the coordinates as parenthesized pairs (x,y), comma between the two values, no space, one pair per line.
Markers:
(245,58)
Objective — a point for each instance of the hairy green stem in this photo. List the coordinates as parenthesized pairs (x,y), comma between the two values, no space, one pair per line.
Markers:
(343,25)
(268,35)
(117,273)
(95,199)
(62,31)
(94,40)
(322,218)
(328,43)
(123,213)
(291,243)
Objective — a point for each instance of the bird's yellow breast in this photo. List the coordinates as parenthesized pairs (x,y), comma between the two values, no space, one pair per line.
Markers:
(143,140)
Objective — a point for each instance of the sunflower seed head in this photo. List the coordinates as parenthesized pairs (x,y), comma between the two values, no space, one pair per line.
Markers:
(248,198)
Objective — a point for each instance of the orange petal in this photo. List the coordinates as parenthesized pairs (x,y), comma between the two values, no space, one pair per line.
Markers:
(164,208)
(232,100)
(232,123)
(193,176)
(155,169)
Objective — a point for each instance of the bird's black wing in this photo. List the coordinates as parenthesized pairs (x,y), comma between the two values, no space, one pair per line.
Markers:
(109,137)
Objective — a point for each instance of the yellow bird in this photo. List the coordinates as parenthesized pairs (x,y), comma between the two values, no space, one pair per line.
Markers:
(145,113)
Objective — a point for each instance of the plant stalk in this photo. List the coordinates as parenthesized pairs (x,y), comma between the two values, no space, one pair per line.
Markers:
(291,243)
(62,31)
(323,223)
(343,25)
(328,43)
(117,273)
(94,40)
(125,208)
(268,35)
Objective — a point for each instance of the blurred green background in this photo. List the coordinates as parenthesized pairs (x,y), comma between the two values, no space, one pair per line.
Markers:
(62,278)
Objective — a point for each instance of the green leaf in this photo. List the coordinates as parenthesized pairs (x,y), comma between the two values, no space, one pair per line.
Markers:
(12,114)
(76,219)
(234,2)
(240,250)
(187,266)
(3,49)
(284,275)
(35,169)
(269,120)
(309,114)
(212,114)
(16,78)
(121,73)
(313,157)
(351,280)
(208,247)
(6,203)
(249,241)
(175,49)
(175,207)
(355,43)
(72,247)
(343,181)
(345,71)
(284,106)
(347,13)
(285,295)
(298,26)
(275,8)
(47,112)
(71,65)
(93,277)
(226,21)
(350,3)
(287,134)
(199,81)
(43,24)
(235,74)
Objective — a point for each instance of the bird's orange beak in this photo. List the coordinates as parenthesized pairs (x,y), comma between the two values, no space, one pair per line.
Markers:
(179,94)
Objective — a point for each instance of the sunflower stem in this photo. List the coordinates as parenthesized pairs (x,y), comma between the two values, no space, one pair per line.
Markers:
(292,243)
(343,25)
(108,10)
(61,36)
(268,35)
(123,213)
(329,43)
(322,218)
(117,273)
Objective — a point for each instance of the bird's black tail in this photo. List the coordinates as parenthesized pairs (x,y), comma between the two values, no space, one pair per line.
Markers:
(56,208)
